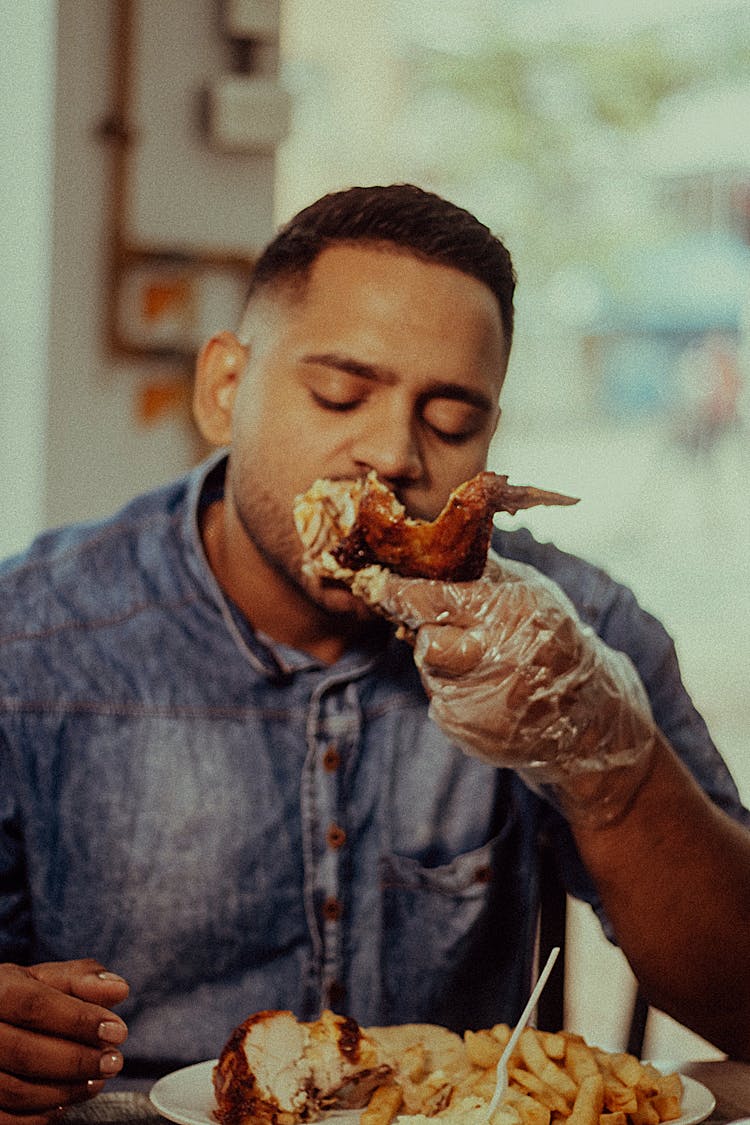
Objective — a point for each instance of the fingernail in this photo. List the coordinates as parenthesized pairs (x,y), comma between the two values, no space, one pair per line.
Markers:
(110,1063)
(104,975)
(112,1031)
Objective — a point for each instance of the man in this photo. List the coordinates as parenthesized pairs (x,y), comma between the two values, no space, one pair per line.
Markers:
(220,781)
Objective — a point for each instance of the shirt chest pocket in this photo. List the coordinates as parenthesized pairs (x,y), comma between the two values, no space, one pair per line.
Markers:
(465,878)
(444,926)
(429,913)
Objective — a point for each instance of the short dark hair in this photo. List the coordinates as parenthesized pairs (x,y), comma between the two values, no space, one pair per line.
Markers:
(401,215)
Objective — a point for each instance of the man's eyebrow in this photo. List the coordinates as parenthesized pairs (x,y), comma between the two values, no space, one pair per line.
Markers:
(455,391)
(349,364)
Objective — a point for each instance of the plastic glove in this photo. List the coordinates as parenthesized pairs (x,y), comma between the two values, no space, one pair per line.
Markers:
(514,676)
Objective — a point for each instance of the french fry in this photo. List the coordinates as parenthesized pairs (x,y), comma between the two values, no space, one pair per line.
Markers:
(670,1085)
(484,1085)
(531,1050)
(383,1106)
(631,1072)
(580,1060)
(646,1113)
(502,1032)
(413,1062)
(482,1048)
(618,1096)
(618,1118)
(533,1054)
(649,1080)
(530,1111)
(543,1092)
(554,1044)
(589,1101)
(667,1106)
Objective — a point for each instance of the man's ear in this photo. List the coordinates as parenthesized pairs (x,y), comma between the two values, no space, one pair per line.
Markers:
(219,369)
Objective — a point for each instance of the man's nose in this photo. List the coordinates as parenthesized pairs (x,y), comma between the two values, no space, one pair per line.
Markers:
(390,447)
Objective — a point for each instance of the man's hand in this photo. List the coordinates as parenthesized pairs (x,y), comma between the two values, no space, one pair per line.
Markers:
(516,678)
(58,1037)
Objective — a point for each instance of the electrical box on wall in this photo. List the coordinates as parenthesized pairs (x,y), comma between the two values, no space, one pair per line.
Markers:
(247,114)
(252,19)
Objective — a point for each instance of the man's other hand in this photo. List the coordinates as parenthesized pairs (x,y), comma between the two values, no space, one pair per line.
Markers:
(59,1039)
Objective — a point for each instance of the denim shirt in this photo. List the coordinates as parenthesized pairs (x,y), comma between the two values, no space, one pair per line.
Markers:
(233,826)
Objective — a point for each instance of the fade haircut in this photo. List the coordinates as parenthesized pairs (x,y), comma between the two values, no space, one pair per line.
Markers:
(398,216)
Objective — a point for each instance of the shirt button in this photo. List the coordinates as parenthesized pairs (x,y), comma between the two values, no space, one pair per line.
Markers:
(331,758)
(332,909)
(335,836)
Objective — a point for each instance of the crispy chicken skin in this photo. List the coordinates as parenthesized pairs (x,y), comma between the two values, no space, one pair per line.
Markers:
(361,523)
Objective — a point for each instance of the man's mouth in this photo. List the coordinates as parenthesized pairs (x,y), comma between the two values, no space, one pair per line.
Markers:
(328,582)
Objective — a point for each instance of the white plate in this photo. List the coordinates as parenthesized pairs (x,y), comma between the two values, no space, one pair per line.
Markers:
(187,1097)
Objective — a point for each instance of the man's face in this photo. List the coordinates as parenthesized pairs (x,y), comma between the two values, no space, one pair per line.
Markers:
(385,363)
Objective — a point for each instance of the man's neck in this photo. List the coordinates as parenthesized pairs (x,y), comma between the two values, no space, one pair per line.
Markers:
(266,597)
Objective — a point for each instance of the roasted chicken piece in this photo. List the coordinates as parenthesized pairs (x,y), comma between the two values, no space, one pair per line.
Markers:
(351,525)
(276,1070)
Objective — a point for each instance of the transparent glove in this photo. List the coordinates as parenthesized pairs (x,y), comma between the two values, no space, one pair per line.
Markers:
(519,681)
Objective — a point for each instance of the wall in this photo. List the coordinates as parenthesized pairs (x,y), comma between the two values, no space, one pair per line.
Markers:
(98,452)
(26,117)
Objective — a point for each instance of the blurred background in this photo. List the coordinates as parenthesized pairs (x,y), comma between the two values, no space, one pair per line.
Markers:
(148,149)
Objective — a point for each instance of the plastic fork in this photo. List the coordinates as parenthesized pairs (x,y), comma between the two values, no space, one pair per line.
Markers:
(501,1086)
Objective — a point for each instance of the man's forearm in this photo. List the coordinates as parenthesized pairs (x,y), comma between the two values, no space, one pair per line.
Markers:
(674,876)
